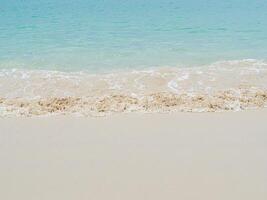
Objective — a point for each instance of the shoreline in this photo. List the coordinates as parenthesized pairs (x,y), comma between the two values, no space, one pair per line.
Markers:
(210,88)
(228,100)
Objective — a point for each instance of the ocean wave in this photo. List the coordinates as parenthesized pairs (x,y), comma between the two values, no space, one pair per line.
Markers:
(226,85)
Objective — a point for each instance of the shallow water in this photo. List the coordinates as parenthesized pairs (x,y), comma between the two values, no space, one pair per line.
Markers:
(125,34)
(222,86)
(92,50)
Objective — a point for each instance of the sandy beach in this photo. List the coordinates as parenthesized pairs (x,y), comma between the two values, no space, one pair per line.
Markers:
(188,156)
(133,100)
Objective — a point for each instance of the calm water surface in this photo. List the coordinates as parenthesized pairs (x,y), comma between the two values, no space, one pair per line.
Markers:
(104,35)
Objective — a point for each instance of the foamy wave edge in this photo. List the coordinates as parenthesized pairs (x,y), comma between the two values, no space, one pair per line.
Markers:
(221,86)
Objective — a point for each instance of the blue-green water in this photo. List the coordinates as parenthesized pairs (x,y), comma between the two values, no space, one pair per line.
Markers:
(129,34)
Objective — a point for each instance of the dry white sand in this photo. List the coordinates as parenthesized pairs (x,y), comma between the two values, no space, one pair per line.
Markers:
(206,156)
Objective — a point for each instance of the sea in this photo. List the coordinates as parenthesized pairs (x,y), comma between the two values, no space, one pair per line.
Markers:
(98,57)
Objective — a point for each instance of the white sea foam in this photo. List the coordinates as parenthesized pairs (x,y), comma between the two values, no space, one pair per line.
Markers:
(242,79)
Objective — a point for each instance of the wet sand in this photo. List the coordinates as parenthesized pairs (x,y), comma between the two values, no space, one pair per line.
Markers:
(207,88)
(152,103)
(188,156)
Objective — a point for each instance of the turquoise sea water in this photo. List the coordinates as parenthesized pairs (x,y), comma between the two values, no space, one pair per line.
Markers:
(100,35)
(96,57)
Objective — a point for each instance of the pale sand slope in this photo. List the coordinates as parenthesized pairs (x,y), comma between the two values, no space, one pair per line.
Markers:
(206,156)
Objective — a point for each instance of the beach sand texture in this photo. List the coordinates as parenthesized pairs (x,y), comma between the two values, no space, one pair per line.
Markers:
(209,156)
